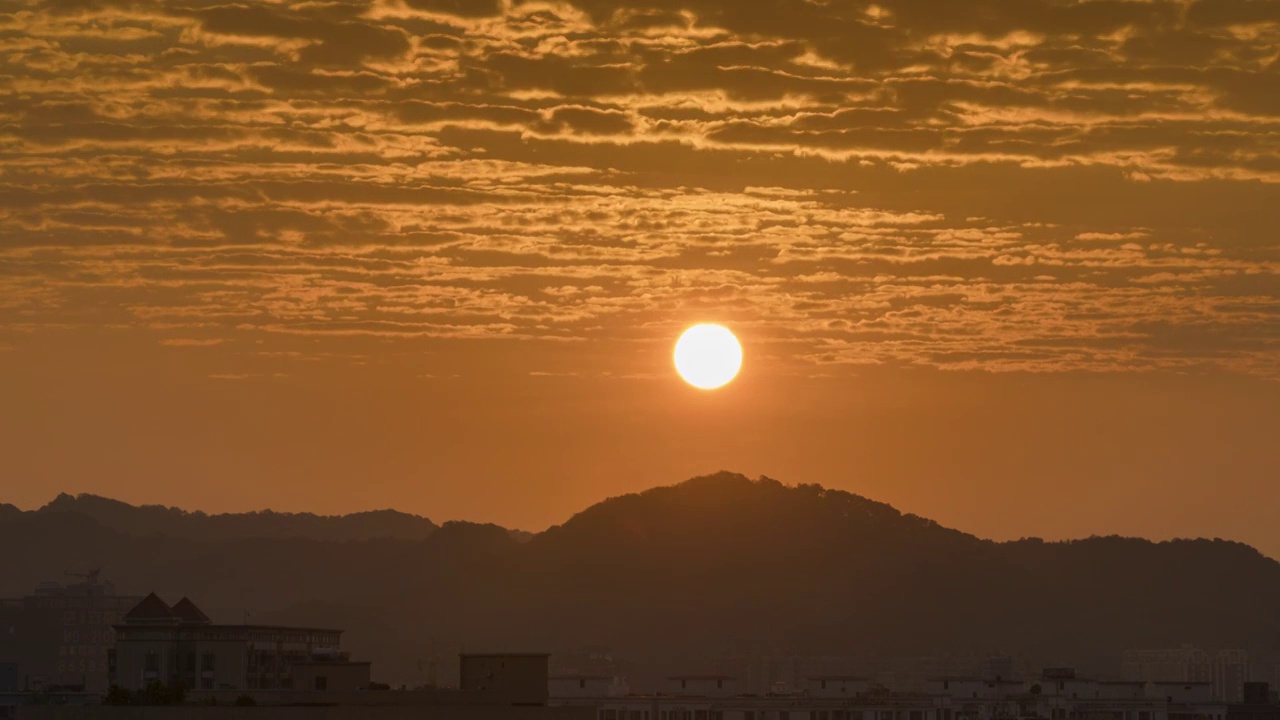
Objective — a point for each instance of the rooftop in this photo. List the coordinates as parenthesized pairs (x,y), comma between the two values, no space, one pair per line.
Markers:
(189,613)
(150,609)
(244,628)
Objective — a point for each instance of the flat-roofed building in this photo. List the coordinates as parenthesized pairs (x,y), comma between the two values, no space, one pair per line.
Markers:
(877,704)
(1226,670)
(969,688)
(702,685)
(1062,682)
(9,677)
(1259,703)
(567,686)
(60,636)
(523,677)
(1185,663)
(1121,690)
(1181,692)
(1057,695)
(331,674)
(1230,673)
(836,685)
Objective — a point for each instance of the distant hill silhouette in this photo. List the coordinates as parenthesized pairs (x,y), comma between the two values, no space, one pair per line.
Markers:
(173,522)
(672,577)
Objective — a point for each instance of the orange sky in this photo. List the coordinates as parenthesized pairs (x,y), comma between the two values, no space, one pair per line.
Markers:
(1009,264)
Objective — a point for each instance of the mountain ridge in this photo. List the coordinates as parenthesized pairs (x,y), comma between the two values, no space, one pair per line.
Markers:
(91,505)
(170,521)
(682,574)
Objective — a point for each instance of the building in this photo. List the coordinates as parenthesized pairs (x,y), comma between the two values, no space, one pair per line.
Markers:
(1181,692)
(968,688)
(718,704)
(1057,695)
(1185,663)
(9,678)
(1121,690)
(1260,703)
(1226,670)
(60,635)
(836,686)
(569,686)
(521,676)
(331,703)
(1230,673)
(16,704)
(181,645)
(1062,682)
(702,685)
(331,674)
(1102,700)
(762,670)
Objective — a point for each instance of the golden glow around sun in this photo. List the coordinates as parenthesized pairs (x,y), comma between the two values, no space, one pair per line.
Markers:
(708,356)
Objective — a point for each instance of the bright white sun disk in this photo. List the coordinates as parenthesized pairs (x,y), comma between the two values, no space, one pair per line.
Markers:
(708,356)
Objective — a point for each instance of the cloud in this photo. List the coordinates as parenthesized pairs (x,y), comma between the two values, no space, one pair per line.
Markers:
(192,342)
(1032,186)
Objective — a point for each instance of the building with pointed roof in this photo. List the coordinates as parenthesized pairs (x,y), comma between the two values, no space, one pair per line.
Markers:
(187,611)
(180,645)
(151,610)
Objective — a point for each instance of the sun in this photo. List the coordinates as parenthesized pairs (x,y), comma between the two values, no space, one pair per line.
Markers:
(708,356)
